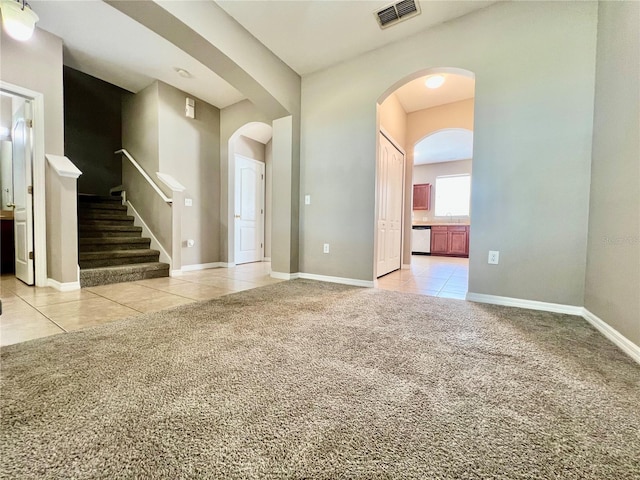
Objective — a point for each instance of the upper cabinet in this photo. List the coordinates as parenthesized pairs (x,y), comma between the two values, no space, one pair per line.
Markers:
(422,196)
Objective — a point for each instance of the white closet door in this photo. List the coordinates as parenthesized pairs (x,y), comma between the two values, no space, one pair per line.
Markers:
(390,199)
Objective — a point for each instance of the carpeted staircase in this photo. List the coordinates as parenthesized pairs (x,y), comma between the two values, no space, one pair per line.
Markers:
(111,248)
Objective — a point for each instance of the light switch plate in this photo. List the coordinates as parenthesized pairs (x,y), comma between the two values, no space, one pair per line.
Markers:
(307,199)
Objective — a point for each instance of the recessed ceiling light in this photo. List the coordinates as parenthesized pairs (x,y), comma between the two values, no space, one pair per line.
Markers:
(434,81)
(183,73)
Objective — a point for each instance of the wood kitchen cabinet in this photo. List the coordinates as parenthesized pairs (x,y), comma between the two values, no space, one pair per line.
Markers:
(450,240)
(422,196)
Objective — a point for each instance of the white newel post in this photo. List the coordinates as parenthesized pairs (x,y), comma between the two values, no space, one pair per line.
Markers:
(177,205)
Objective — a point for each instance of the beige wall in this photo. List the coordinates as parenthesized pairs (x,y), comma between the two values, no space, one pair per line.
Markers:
(231,119)
(534,65)
(268,214)
(613,255)
(5,117)
(37,65)
(250,148)
(428,174)
(140,127)
(393,119)
(189,150)
(423,122)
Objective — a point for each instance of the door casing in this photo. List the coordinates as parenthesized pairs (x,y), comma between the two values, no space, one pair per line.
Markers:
(39,204)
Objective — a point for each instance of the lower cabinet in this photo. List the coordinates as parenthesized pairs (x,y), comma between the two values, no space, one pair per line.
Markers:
(450,240)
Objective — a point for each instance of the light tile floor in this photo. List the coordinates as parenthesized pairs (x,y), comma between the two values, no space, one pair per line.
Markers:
(436,276)
(33,312)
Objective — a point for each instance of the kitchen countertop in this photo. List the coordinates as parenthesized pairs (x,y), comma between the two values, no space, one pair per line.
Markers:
(438,224)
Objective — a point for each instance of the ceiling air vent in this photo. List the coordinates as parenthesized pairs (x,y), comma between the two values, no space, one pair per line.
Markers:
(397,12)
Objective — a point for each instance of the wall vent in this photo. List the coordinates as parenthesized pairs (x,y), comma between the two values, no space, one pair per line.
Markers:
(397,12)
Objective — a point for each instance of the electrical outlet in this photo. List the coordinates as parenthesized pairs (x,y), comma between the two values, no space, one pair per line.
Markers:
(188,202)
(494,257)
(307,199)
(326,248)
(190,243)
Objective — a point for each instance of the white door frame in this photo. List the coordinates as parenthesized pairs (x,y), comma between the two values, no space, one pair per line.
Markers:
(39,194)
(263,201)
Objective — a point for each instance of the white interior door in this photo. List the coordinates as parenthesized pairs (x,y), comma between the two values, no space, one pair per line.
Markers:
(22,194)
(390,199)
(249,210)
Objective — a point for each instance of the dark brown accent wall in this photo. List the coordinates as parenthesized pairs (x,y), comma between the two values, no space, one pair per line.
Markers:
(93,130)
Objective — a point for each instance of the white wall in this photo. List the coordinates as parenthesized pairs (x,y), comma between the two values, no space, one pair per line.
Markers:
(613,260)
(534,65)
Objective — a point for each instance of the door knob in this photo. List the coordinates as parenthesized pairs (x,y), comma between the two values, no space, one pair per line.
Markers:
(11,205)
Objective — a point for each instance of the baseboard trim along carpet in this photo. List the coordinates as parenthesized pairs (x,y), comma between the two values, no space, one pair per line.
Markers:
(63,287)
(341,280)
(622,342)
(522,303)
(284,276)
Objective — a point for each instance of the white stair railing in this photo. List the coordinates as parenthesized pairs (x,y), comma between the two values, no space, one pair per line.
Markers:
(165,227)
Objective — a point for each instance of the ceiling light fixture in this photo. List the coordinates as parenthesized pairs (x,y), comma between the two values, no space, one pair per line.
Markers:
(434,81)
(18,19)
(183,73)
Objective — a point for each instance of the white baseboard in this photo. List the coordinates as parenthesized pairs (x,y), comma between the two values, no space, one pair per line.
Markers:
(201,266)
(226,264)
(345,281)
(146,232)
(622,342)
(285,276)
(406,266)
(522,303)
(63,287)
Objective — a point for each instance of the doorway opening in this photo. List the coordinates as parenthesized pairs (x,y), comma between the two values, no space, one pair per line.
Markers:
(428,114)
(22,179)
(250,189)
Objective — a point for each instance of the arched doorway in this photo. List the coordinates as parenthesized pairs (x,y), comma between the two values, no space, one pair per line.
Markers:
(249,232)
(434,127)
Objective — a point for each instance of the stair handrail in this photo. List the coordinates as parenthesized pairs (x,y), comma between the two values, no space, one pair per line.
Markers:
(145,175)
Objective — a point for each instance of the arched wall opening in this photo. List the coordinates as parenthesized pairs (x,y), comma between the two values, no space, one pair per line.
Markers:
(253,141)
(408,112)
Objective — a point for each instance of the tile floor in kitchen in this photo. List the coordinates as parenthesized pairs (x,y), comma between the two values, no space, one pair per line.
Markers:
(436,276)
(34,312)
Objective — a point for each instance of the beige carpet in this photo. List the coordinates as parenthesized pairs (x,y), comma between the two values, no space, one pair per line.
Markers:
(313,380)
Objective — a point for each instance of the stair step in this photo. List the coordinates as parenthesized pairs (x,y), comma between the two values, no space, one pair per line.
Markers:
(100,207)
(91,277)
(84,197)
(117,230)
(101,215)
(103,244)
(117,257)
